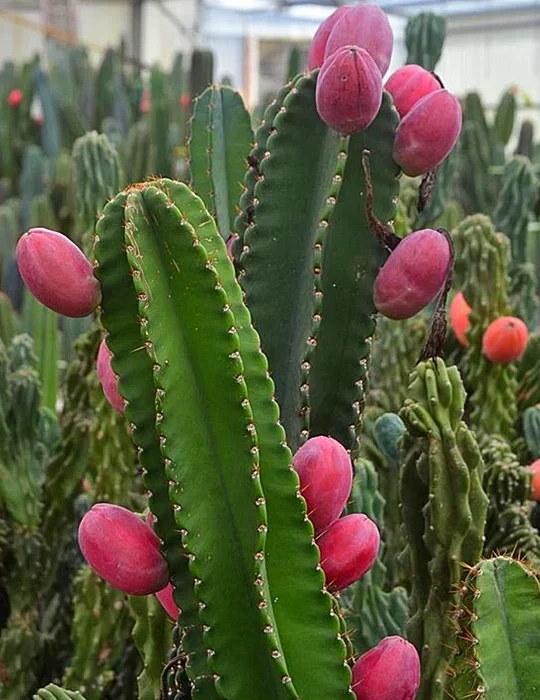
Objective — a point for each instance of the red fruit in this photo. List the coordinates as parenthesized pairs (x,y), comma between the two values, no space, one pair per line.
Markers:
(408,84)
(389,671)
(15,97)
(325,473)
(107,377)
(348,549)
(413,275)
(349,90)
(57,273)
(459,318)
(122,549)
(318,43)
(145,104)
(185,100)
(535,483)
(505,339)
(427,134)
(365,26)
(166,599)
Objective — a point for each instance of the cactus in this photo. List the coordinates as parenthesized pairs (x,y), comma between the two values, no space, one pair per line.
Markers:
(505,116)
(444,512)
(531,430)
(424,39)
(202,72)
(54,692)
(525,144)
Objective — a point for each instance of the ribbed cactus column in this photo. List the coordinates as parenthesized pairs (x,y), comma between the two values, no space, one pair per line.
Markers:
(424,38)
(444,510)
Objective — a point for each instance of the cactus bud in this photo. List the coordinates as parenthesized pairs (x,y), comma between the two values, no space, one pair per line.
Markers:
(349,90)
(505,339)
(413,275)
(365,26)
(389,671)
(427,134)
(409,84)
(107,377)
(122,549)
(320,38)
(166,598)
(57,273)
(348,549)
(325,473)
(459,318)
(15,97)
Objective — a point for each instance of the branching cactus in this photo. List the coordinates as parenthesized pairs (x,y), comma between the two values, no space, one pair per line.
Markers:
(444,512)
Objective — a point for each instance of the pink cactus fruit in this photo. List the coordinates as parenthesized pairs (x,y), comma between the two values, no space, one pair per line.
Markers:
(15,97)
(145,105)
(427,134)
(413,275)
(57,273)
(389,671)
(318,43)
(409,84)
(349,90)
(107,377)
(122,549)
(365,26)
(165,597)
(348,549)
(325,473)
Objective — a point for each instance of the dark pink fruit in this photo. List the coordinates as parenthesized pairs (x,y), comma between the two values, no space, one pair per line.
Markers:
(57,273)
(122,549)
(365,26)
(107,377)
(348,549)
(325,472)
(15,97)
(408,85)
(389,671)
(318,43)
(413,275)
(349,90)
(427,134)
(166,599)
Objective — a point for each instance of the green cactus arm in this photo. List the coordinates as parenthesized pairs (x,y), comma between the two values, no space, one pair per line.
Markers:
(221,139)
(152,634)
(351,259)
(291,560)
(531,430)
(246,204)
(159,123)
(505,624)
(54,692)
(119,315)
(278,259)
(424,39)
(505,117)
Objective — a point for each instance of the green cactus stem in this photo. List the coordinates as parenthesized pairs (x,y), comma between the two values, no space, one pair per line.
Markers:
(424,39)
(54,692)
(505,117)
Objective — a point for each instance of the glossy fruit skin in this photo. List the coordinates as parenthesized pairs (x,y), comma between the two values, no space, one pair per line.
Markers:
(349,90)
(427,134)
(409,84)
(122,549)
(325,472)
(15,97)
(389,671)
(165,597)
(348,549)
(459,318)
(365,26)
(57,273)
(107,377)
(413,275)
(320,38)
(535,483)
(505,339)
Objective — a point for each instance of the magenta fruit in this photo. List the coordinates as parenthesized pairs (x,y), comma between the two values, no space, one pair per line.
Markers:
(365,26)
(325,473)
(408,85)
(389,671)
(165,597)
(318,43)
(348,549)
(413,275)
(349,90)
(427,134)
(122,549)
(57,273)
(107,377)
